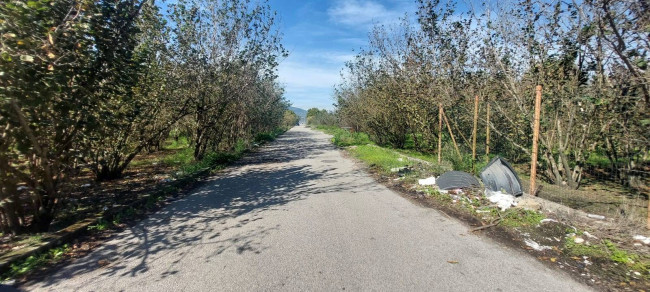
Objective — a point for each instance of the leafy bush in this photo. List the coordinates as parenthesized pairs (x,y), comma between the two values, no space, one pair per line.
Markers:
(269,136)
(36,261)
(344,138)
(100,226)
(379,157)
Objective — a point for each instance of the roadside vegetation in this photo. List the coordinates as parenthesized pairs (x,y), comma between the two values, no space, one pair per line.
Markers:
(455,78)
(171,172)
(89,87)
(600,257)
(107,104)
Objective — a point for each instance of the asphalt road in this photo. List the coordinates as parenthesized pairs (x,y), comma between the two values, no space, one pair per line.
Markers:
(299,216)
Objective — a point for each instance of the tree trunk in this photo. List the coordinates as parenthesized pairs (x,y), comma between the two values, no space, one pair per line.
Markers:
(11,219)
(42,221)
(570,180)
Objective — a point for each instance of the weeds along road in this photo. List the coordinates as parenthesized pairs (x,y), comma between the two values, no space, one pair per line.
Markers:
(298,216)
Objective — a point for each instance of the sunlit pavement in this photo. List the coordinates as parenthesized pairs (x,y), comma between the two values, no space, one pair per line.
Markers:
(299,216)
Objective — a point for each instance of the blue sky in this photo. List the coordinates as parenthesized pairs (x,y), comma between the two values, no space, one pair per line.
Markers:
(321,36)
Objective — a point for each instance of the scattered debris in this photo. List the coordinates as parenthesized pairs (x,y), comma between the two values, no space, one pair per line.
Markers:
(503,201)
(86,186)
(427,181)
(579,240)
(536,246)
(587,234)
(495,223)
(594,216)
(455,192)
(21,188)
(457,180)
(548,220)
(642,239)
(528,203)
(452,262)
(499,176)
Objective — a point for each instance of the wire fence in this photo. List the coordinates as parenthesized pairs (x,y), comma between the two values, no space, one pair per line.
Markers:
(599,187)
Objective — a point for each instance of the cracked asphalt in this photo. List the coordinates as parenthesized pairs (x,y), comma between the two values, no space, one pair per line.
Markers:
(295,216)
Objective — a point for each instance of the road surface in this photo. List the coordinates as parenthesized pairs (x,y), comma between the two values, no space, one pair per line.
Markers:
(299,216)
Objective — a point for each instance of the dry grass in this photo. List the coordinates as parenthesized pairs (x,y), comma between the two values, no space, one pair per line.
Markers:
(628,207)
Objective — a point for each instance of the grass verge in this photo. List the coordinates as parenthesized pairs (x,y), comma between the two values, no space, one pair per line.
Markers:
(344,138)
(36,261)
(187,172)
(381,158)
(600,262)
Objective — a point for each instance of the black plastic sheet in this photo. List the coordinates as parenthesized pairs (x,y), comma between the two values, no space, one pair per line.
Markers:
(498,175)
(457,180)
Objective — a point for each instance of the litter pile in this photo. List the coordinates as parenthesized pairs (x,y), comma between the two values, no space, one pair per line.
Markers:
(500,181)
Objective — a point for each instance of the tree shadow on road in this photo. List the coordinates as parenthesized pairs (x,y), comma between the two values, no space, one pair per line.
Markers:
(211,218)
(289,147)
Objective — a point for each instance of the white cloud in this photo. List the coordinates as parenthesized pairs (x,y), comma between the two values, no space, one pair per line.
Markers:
(330,57)
(301,75)
(309,78)
(361,13)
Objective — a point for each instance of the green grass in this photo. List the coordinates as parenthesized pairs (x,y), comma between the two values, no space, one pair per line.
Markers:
(515,217)
(101,225)
(36,261)
(609,251)
(594,251)
(34,239)
(618,255)
(173,144)
(181,157)
(344,138)
(464,162)
(382,158)
(269,136)
(212,160)
(436,194)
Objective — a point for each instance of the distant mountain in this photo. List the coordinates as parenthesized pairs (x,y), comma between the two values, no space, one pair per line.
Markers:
(301,113)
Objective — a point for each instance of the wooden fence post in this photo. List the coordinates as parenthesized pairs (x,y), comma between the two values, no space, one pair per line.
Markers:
(475,128)
(439,132)
(533,162)
(487,130)
(451,133)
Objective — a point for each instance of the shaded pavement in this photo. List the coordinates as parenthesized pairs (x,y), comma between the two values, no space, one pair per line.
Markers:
(298,216)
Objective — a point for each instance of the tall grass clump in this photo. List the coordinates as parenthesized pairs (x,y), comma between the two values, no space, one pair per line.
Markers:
(344,138)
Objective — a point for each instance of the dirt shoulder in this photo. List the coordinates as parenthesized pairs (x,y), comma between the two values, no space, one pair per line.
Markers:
(595,255)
